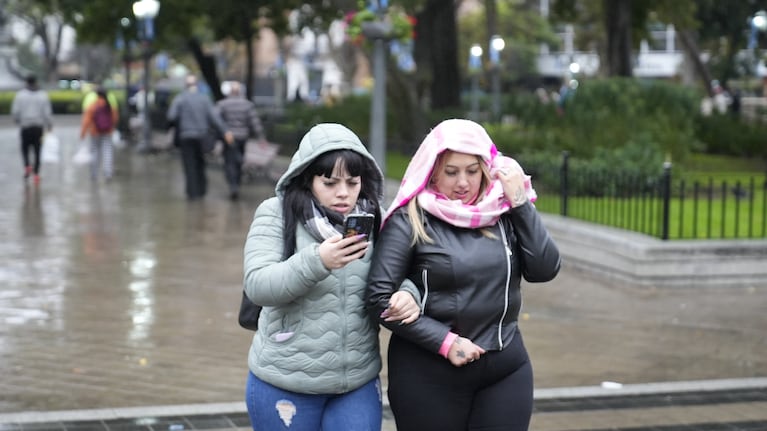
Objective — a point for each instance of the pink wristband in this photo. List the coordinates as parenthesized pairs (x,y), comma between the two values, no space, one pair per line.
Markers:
(446,343)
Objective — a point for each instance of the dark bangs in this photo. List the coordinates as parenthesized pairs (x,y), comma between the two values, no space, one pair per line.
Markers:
(352,161)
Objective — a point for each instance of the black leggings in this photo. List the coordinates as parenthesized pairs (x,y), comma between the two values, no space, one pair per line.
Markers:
(31,137)
(427,392)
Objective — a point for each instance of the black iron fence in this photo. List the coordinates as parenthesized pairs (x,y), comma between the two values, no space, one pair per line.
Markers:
(661,205)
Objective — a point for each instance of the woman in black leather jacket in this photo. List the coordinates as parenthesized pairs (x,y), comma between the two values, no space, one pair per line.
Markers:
(464,230)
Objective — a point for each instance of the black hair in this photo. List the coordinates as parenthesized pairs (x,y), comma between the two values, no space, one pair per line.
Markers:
(102,94)
(298,191)
(31,80)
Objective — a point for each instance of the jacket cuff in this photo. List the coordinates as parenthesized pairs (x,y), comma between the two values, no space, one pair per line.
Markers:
(446,343)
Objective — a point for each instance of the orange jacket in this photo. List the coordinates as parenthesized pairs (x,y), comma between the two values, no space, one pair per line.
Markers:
(88,127)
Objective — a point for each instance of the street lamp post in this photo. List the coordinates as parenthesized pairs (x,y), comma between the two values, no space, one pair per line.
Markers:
(475,65)
(380,32)
(496,46)
(757,23)
(125,46)
(145,12)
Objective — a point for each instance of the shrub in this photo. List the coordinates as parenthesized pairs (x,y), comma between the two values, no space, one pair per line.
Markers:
(605,113)
(730,135)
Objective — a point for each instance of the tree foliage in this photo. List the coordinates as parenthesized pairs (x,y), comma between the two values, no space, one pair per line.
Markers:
(725,36)
(46,18)
(523,29)
(183,26)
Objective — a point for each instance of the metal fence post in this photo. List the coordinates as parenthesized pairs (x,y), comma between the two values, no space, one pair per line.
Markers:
(563,183)
(666,199)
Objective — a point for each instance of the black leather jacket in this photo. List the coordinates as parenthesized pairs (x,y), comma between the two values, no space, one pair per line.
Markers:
(469,283)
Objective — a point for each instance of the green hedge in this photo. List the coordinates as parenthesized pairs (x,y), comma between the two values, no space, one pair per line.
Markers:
(731,135)
(62,101)
(610,113)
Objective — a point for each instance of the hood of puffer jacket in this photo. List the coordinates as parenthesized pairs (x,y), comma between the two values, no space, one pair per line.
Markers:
(321,139)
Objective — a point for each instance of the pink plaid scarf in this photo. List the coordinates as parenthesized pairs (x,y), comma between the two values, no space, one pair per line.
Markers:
(461,136)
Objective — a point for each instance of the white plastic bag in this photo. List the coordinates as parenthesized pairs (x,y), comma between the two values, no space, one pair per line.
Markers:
(83,154)
(49,153)
(117,140)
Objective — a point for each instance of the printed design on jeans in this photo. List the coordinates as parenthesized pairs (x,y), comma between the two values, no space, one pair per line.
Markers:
(287,410)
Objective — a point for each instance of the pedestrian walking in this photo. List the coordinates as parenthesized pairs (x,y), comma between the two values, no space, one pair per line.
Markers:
(194,114)
(241,117)
(93,94)
(98,122)
(463,230)
(314,361)
(31,110)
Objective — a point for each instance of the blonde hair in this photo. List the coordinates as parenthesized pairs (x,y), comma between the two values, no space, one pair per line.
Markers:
(415,212)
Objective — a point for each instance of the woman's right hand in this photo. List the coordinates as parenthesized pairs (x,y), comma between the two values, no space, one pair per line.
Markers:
(513,182)
(337,252)
(463,351)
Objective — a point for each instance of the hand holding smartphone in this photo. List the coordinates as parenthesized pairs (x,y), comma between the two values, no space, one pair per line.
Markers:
(357,224)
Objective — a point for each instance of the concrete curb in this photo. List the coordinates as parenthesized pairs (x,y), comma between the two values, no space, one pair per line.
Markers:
(610,389)
(30,417)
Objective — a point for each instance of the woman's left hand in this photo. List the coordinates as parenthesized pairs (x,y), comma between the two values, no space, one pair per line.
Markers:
(402,308)
(513,182)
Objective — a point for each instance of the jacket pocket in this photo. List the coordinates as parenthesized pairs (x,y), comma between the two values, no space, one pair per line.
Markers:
(290,324)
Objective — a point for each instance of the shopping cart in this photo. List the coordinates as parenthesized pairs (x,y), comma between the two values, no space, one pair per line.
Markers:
(258,162)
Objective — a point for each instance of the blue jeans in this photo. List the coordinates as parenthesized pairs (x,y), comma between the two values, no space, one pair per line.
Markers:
(271,408)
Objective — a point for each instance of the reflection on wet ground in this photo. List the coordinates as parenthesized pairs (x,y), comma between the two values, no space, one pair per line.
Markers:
(102,283)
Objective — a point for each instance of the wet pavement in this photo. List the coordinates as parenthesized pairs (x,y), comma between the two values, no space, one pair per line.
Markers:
(119,299)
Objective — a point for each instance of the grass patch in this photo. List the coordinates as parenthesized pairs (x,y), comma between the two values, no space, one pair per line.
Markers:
(688,219)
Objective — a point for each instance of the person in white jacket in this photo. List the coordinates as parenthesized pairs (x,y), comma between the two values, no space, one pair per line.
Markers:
(31,110)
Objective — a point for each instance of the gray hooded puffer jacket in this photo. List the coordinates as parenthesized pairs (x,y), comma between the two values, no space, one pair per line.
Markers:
(314,335)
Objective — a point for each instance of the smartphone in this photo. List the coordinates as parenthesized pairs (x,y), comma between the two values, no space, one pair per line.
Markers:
(358,224)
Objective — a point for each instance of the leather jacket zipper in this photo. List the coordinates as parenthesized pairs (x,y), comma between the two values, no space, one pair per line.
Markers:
(506,290)
(425,280)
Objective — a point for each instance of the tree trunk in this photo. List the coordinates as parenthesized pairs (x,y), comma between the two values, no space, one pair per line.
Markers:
(404,107)
(693,52)
(491,18)
(208,68)
(436,50)
(249,65)
(618,28)
(52,56)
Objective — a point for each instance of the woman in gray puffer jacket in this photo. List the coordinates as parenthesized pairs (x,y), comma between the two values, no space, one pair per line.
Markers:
(314,361)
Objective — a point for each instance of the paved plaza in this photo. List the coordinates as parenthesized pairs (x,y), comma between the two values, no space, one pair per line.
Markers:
(118,305)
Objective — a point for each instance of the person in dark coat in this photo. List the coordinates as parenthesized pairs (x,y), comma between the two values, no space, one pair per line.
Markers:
(194,114)
(241,117)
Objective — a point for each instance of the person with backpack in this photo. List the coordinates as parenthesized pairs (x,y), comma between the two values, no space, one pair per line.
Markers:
(99,121)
